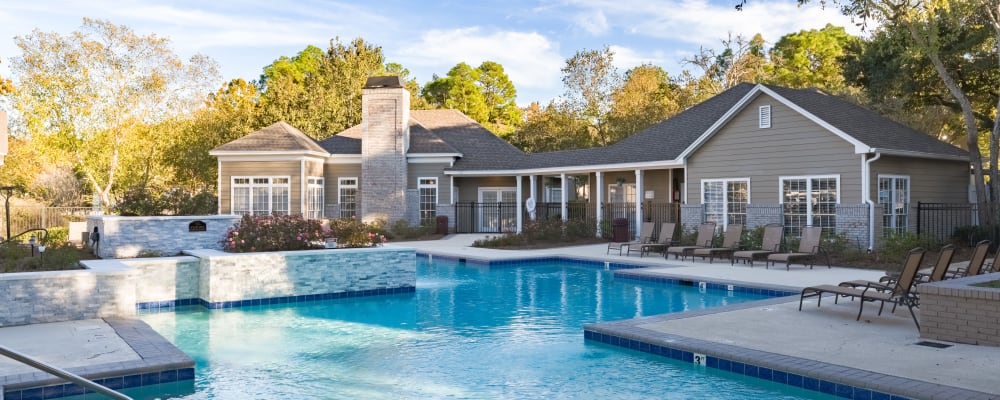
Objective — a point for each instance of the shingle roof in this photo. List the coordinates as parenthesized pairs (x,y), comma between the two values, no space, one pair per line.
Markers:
(423,140)
(480,148)
(865,125)
(280,136)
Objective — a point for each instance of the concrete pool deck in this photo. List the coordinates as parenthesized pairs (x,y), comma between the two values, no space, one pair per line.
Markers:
(878,351)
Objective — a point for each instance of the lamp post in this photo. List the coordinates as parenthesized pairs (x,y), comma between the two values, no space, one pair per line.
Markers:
(41,256)
(31,242)
(7,191)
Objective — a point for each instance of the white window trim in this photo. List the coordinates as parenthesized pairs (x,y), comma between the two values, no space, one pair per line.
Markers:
(435,186)
(909,189)
(316,182)
(341,185)
(725,182)
(764,117)
(635,189)
(270,193)
(808,178)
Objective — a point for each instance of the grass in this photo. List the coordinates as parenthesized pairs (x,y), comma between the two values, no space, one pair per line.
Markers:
(991,284)
(15,257)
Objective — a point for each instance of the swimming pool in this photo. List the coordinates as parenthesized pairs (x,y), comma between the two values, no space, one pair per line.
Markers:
(468,331)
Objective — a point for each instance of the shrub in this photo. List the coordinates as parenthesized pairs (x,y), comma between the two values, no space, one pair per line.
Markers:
(971,234)
(273,233)
(56,237)
(403,230)
(895,246)
(351,232)
(752,238)
(541,232)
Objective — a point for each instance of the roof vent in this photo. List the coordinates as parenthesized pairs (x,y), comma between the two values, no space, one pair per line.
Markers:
(377,82)
(765,117)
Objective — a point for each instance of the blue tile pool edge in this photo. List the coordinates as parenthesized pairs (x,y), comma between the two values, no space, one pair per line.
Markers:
(160,362)
(836,380)
(171,304)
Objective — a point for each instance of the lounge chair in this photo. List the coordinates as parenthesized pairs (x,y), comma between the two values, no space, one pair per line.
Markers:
(731,240)
(706,235)
(937,273)
(900,293)
(809,247)
(645,236)
(663,240)
(770,244)
(975,266)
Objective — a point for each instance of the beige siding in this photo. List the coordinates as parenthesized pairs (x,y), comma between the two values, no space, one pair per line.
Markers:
(468,188)
(417,171)
(792,146)
(291,169)
(931,181)
(333,173)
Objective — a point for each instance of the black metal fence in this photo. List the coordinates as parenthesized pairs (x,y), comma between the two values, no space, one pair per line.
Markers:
(473,217)
(23,218)
(944,221)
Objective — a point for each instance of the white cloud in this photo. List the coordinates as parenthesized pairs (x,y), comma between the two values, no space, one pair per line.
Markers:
(529,59)
(593,22)
(626,58)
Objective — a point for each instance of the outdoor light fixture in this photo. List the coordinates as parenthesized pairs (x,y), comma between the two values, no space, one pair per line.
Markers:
(41,255)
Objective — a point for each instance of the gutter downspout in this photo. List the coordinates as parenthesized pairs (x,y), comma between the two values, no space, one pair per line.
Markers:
(866,190)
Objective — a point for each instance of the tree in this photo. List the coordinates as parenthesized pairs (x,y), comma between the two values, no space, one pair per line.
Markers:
(811,58)
(417,102)
(92,96)
(500,98)
(484,93)
(740,60)
(319,92)
(590,78)
(551,128)
(6,86)
(645,98)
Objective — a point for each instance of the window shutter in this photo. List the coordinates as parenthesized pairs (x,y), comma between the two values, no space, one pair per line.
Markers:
(765,117)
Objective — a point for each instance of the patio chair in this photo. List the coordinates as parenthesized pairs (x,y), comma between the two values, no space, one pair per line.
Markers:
(936,273)
(645,236)
(975,266)
(809,247)
(731,241)
(770,243)
(706,235)
(900,293)
(663,240)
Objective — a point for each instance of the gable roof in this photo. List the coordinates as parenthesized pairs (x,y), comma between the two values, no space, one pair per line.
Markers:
(480,148)
(279,136)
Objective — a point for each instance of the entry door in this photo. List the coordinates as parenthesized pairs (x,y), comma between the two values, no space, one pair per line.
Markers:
(498,209)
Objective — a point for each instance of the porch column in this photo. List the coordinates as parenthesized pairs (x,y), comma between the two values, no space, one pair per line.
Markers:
(639,197)
(670,185)
(533,183)
(562,183)
(451,194)
(599,198)
(520,210)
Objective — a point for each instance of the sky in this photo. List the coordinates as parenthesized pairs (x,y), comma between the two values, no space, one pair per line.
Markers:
(531,39)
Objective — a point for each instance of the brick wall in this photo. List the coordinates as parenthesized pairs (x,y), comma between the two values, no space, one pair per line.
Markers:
(954,311)
(384,141)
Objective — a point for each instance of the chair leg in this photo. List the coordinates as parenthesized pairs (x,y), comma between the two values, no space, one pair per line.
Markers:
(861,308)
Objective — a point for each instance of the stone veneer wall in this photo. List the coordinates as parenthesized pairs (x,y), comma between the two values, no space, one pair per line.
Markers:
(114,288)
(126,237)
(692,215)
(954,311)
(54,296)
(227,277)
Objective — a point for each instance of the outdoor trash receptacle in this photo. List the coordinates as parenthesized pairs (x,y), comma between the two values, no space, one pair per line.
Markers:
(441,225)
(619,230)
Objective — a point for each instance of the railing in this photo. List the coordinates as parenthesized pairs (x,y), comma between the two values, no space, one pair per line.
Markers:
(27,217)
(473,217)
(69,376)
(940,221)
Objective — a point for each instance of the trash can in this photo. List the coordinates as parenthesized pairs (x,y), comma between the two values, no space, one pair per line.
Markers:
(619,229)
(441,225)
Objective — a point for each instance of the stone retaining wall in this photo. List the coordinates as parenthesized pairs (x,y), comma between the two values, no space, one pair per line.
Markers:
(954,311)
(127,237)
(115,288)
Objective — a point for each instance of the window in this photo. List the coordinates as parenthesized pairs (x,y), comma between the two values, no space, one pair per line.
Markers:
(348,193)
(260,195)
(428,188)
(765,117)
(314,196)
(894,197)
(621,193)
(725,200)
(810,201)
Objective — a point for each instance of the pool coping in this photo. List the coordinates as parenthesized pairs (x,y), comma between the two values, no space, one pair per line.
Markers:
(159,362)
(814,375)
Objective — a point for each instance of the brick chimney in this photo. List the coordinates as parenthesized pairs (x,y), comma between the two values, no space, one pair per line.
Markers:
(385,138)
(3,136)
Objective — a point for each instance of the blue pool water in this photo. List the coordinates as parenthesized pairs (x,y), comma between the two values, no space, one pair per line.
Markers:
(469,331)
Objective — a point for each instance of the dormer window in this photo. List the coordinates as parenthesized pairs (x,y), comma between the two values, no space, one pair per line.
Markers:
(765,117)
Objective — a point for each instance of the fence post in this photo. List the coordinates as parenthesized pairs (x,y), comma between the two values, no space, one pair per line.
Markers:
(919,209)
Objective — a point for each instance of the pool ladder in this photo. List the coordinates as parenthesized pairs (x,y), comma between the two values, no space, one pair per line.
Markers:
(69,376)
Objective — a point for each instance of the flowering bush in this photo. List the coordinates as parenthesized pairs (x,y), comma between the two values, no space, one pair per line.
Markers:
(354,233)
(273,233)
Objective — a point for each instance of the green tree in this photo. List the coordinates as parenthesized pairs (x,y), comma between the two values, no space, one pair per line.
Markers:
(317,92)
(417,102)
(551,128)
(740,60)
(93,95)
(646,97)
(459,90)
(811,58)
(500,98)
(590,78)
